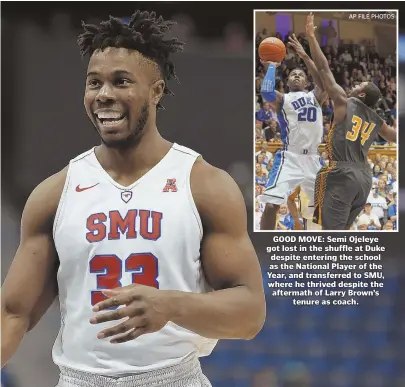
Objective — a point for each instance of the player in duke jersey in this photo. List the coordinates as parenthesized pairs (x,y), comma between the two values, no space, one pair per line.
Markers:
(342,188)
(301,122)
(144,242)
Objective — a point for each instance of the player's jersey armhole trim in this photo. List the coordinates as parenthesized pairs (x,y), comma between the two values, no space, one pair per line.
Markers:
(191,200)
(61,204)
(281,107)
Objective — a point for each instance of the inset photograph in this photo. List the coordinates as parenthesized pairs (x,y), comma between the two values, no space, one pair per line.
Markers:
(325,120)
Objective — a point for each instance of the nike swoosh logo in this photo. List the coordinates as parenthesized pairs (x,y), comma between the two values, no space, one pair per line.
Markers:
(78,189)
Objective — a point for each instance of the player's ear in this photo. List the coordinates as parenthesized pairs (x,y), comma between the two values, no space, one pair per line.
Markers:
(157,90)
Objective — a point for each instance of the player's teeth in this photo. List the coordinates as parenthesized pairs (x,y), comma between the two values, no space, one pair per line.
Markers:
(111,122)
(109,116)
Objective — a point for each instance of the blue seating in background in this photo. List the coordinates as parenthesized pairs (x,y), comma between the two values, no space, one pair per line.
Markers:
(340,346)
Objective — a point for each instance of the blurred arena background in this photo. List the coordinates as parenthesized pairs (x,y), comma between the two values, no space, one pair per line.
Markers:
(44,125)
(358,50)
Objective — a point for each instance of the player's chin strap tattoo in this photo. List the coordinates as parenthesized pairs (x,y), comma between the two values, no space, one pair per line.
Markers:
(267,90)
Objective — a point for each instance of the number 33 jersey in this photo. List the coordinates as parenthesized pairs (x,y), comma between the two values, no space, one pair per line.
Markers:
(301,121)
(108,236)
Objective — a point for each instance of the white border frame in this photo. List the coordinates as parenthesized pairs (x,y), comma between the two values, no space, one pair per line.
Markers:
(396,11)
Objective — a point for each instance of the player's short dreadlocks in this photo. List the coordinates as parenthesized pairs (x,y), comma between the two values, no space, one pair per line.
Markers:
(144,33)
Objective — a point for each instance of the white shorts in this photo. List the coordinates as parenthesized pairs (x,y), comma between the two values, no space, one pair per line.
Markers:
(186,374)
(290,170)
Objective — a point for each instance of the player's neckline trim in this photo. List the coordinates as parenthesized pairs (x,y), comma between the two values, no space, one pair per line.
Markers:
(135,183)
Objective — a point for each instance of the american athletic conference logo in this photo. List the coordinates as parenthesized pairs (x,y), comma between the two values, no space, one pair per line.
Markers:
(170,186)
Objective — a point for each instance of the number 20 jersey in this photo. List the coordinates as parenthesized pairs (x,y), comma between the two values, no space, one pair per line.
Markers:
(301,121)
(108,236)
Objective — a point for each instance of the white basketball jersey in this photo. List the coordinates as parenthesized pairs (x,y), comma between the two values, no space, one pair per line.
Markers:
(107,236)
(301,121)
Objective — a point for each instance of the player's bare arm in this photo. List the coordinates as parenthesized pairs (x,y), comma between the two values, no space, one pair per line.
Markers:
(388,133)
(319,91)
(34,267)
(268,91)
(335,92)
(236,307)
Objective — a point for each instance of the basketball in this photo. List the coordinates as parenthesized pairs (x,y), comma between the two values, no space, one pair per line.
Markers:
(272,50)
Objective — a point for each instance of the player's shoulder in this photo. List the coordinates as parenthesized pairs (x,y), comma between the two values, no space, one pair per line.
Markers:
(355,101)
(358,104)
(212,186)
(48,193)
(209,174)
(43,202)
(54,182)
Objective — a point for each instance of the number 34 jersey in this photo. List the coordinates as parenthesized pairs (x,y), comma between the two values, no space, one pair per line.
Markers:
(350,140)
(301,121)
(108,236)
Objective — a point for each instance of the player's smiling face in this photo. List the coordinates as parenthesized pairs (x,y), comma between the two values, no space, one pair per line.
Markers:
(120,88)
(297,80)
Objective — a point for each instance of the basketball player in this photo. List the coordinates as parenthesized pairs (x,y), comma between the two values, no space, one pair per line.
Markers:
(342,187)
(137,222)
(300,117)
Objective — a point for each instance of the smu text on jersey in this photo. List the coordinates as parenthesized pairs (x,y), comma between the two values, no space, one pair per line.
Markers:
(134,224)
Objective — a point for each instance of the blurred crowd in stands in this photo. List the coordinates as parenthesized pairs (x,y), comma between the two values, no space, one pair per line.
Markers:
(351,64)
